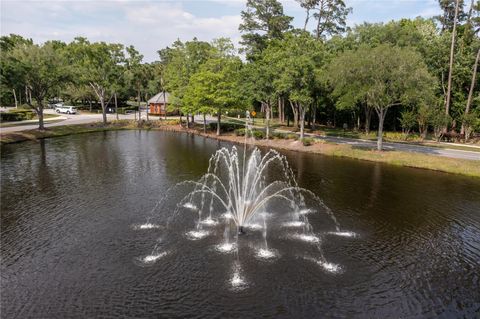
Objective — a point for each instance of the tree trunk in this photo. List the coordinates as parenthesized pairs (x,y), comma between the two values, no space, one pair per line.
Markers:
(204,123)
(450,67)
(193,120)
(368,119)
(90,102)
(470,93)
(139,111)
(381,112)
(267,119)
(314,116)
(104,109)
(295,114)
(146,106)
(280,109)
(219,118)
(165,106)
(39,110)
(302,120)
(116,106)
(15,98)
(306,20)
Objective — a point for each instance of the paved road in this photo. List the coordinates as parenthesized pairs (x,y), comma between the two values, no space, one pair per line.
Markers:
(446,152)
(71,119)
(90,118)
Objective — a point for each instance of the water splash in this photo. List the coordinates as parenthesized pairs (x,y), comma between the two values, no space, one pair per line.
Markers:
(294,224)
(226,247)
(237,282)
(150,259)
(197,234)
(326,266)
(307,238)
(209,222)
(266,253)
(343,234)
(146,226)
(190,206)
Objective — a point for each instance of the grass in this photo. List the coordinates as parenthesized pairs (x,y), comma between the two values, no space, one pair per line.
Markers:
(55,131)
(436,163)
(34,121)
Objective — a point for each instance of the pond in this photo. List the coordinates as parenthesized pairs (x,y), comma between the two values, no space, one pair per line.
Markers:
(70,248)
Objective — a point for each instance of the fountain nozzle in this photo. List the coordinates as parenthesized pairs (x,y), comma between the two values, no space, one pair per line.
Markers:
(240,230)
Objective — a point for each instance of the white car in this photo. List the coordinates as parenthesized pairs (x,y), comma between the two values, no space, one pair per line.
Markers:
(66,109)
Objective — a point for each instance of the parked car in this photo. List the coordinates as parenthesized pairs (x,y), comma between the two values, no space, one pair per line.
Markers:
(55,105)
(66,109)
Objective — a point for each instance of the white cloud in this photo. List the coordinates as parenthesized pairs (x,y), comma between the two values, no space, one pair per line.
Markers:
(149,26)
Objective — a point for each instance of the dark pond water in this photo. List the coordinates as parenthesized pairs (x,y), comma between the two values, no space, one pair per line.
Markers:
(68,248)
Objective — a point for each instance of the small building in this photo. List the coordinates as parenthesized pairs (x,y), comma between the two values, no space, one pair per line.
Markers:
(158,104)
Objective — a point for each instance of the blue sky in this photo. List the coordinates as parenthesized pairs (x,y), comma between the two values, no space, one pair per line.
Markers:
(152,25)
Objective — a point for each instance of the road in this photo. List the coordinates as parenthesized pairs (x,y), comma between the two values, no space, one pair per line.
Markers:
(71,119)
(445,152)
(436,151)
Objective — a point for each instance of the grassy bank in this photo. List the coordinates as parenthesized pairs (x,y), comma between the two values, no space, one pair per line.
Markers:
(56,131)
(416,160)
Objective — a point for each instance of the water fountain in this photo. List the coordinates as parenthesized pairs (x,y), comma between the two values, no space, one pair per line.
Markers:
(243,194)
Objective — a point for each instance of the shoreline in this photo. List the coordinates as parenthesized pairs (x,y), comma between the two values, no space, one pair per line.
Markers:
(398,158)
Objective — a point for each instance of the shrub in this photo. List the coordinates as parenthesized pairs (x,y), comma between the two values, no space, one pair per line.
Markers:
(225,127)
(258,135)
(292,136)
(307,141)
(279,135)
(17,115)
(240,132)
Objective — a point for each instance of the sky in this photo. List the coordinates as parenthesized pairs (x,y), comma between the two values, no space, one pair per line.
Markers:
(155,24)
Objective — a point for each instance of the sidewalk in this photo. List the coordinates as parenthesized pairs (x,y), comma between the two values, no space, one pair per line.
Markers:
(32,122)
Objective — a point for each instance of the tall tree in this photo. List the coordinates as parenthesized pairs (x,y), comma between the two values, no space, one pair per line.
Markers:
(215,87)
(296,59)
(262,21)
(331,17)
(99,65)
(259,77)
(452,13)
(470,92)
(11,82)
(180,63)
(136,74)
(452,53)
(383,76)
(44,70)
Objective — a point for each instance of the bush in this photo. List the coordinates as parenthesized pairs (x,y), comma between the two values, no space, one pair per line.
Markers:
(225,127)
(307,141)
(17,115)
(292,136)
(279,135)
(240,132)
(258,135)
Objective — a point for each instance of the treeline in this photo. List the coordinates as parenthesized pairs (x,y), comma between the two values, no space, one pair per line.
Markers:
(413,74)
